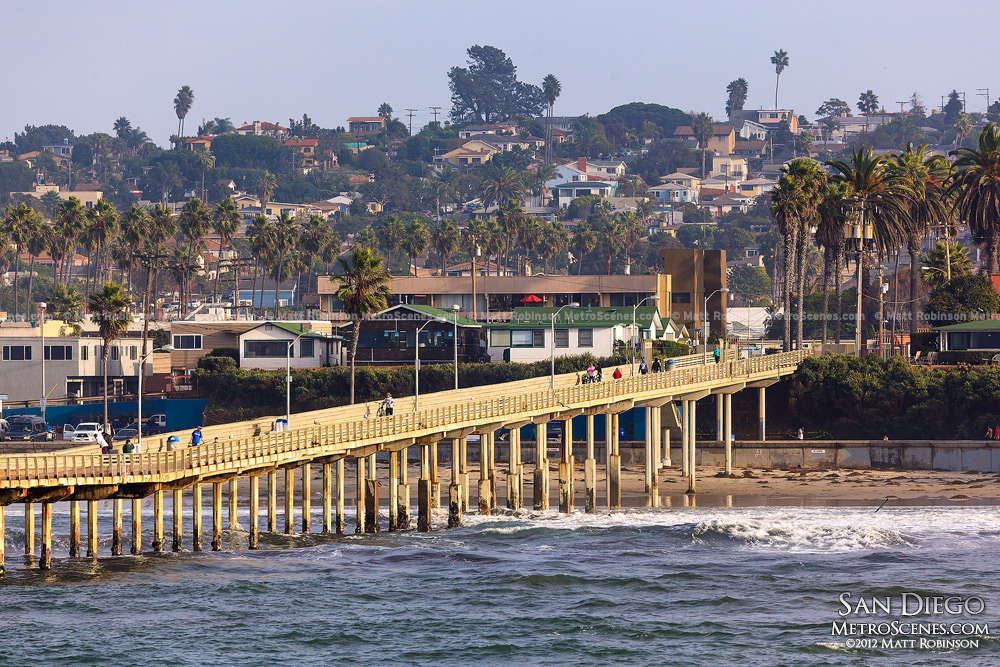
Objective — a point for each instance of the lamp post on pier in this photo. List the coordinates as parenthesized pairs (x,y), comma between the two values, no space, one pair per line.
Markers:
(704,319)
(635,336)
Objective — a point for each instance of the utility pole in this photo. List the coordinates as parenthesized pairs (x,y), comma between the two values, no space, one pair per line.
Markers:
(435,110)
(963,100)
(410,114)
(900,106)
(984,92)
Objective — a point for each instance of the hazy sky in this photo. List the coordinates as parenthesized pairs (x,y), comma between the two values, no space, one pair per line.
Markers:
(83,64)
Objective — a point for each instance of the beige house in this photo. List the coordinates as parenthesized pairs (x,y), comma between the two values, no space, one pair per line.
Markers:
(88,198)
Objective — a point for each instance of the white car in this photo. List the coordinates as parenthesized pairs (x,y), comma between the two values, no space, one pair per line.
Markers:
(84,432)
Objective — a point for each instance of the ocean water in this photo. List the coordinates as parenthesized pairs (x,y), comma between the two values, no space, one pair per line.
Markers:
(686,586)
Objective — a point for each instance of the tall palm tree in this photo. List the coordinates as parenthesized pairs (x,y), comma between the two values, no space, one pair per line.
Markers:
(226,223)
(195,221)
(787,204)
(780,62)
(17,228)
(609,238)
(584,241)
(502,185)
(471,240)
(704,128)
(391,232)
(316,239)
(110,312)
(976,188)
(39,239)
(555,241)
(928,203)
(65,303)
(259,235)
(415,242)
(206,161)
(123,127)
(265,189)
(283,241)
(104,223)
(834,213)
(182,104)
(812,180)
(543,174)
(71,220)
(363,291)
(551,88)
(631,231)
(444,240)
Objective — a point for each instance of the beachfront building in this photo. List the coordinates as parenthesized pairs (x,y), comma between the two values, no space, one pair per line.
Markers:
(277,345)
(977,335)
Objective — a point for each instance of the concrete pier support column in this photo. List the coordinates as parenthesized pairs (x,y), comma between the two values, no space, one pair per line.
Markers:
(648,451)
(492,459)
(371,498)
(393,491)
(178,520)
(719,400)
(29,529)
(116,527)
(565,471)
(685,437)
(513,468)
(74,528)
(92,530)
(3,542)
(485,502)
(361,483)
(455,488)
(424,491)
(272,501)
(136,526)
(289,501)
(761,413)
(692,437)
(540,490)
(45,557)
(614,468)
(338,521)
(403,491)
(327,497)
(234,522)
(590,471)
(608,428)
(254,537)
(306,498)
(435,482)
(667,462)
(657,433)
(217,516)
(463,471)
(727,433)
(196,517)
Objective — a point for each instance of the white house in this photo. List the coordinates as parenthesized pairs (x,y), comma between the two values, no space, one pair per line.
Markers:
(527,337)
(674,193)
(564,193)
(731,167)
(266,347)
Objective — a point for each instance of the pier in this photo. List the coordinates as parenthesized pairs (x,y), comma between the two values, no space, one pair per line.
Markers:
(331,439)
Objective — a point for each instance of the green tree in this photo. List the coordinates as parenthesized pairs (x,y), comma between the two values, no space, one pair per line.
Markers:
(17,229)
(868,102)
(583,243)
(976,188)
(364,291)
(226,220)
(487,90)
(502,185)
(182,105)
(283,241)
(749,283)
(70,223)
(834,213)
(944,261)
(415,242)
(110,312)
(65,303)
(551,88)
(780,62)
(736,95)
(444,240)
(833,108)
(265,189)
(704,128)
(391,234)
(966,297)
(951,109)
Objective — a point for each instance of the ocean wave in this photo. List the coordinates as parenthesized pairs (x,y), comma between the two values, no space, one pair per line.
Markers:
(801,535)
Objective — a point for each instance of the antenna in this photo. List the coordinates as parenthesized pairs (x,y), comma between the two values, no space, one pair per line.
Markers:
(410,114)
(984,92)
(435,110)
(900,106)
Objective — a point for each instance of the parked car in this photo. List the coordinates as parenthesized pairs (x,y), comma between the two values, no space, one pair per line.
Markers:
(82,432)
(27,427)
(128,433)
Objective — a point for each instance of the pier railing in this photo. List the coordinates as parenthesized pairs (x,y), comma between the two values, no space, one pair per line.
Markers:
(331,439)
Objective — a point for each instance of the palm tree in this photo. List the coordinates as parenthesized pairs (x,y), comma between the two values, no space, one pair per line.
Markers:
(868,101)
(17,228)
(39,239)
(363,291)
(812,182)
(502,185)
(780,62)
(415,242)
(976,188)
(316,239)
(102,229)
(554,242)
(543,174)
(551,88)
(444,240)
(834,213)
(182,104)
(259,235)
(787,204)
(584,242)
(929,203)
(631,231)
(65,303)
(206,161)
(223,125)
(226,223)
(392,232)
(704,128)
(470,240)
(283,240)
(439,190)
(609,238)
(195,221)
(123,128)
(265,188)
(737,95)
(110,312)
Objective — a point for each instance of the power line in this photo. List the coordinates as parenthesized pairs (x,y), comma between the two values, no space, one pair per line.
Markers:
(984,92)
(435,110)
(410,114)
(900,105)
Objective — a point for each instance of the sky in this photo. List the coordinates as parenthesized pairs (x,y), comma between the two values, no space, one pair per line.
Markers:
(85,64)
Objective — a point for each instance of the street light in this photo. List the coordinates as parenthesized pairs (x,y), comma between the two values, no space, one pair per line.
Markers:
(704,318)
(416,359)
(552,347)
(142,374)
(288,380)
(42,307)
(652,297)
(455,309)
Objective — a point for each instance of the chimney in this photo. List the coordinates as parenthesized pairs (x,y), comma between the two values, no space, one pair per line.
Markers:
(581,164)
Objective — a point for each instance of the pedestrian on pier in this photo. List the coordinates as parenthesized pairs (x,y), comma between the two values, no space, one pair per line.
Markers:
(996,432)
(617,374)
(388,403)
(591,372)
(598,373)
(717,354)
(196,437)
(989,433)
(103,443)
(656,365)
(643,369)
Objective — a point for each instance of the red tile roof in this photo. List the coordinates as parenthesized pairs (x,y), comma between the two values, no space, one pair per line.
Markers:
(264,125)
(365,119)
(301,142)
(358,178)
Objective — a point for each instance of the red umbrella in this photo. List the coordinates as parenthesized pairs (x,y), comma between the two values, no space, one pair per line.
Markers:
(531,298)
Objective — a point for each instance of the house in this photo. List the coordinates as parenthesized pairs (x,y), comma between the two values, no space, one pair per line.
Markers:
(361,126)
(722,142)
(528,336)
(564,193)
(565,124)
(88,198)
(390,337)
(591,169)
(73,367)
(729,167)
(463,157)
(750,149)
(359,179)
(493,128)
(978,335)
(755,187)
(504,142)
(483,268)
(196,144)
(356,147)
(723,204)
(771,118)
(749,130)
(264,297)
(680,178)
(278,345)
(262,129)
(674,193)
(304,153)
(63,150)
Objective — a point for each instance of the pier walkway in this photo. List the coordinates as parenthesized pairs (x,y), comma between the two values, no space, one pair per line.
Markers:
(329,437)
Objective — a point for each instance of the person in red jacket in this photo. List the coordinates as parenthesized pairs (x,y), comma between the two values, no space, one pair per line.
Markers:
(617,374)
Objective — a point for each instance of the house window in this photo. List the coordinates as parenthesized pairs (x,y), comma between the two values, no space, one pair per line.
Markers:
(114,353)
(539,338)
(307,348)
(527,338)
(17,353)
(133,352)
(500,338)
(682,297)
(84,353)
(562,337)
(58,353)
(187,342)
(585,338)
(266,349)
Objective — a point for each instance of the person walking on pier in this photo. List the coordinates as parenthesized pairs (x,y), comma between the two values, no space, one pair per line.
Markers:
(387,404)
(717,354)
(617,375)
(196,437)
(643,369)
(103,442)
(989,433)
(591,373)
(656,365)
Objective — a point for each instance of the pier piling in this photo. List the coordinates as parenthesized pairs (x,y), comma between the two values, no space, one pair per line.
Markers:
(327,497)
(339,518)
(484,474)
(393,491)
(116,527)
(614,468)
(158,521)
(272,501)
(45,557)
(455,488)
(306,498)
(3,542)
(424,491)
(217,516)
(361,485)
(289,501)
(435,482)
(196,517)
(590,471)
(178,506)
(234,522)
(403,492)
(91,529)
(254,537)
(371,498)
(463,472)
(29,530)
(74,528)
(136,526)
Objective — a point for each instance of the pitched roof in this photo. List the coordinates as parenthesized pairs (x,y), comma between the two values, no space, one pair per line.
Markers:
(430,312)
(366,119)
(590,316)
(972,325)
(264,125)
(294,329)
(301,142)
